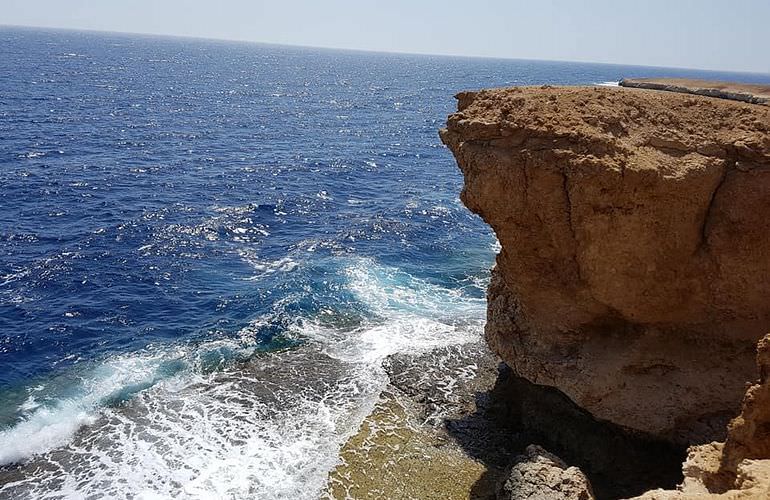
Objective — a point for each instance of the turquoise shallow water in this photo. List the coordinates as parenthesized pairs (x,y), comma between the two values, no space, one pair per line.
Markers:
(207,249)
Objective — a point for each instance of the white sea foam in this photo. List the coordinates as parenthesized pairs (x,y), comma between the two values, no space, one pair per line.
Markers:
(45,427)
(33,154)
(608,84)
(227,435)
(11,277)
(266,428)
(265,267)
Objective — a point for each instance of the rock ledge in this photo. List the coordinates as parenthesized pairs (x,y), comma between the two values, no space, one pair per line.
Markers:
(755,94)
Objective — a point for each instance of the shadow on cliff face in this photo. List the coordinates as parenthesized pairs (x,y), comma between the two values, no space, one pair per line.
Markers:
(516,413)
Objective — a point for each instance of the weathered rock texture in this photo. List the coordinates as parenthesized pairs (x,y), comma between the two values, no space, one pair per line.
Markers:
(739,467)
(405,449)
(634,273)
(753,93)
(452,422)
(539,475)
(618,463)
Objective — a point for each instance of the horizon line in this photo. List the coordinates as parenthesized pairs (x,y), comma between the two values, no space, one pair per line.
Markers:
(370,51)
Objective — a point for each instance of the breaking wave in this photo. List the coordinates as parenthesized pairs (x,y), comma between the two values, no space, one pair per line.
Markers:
(226,418)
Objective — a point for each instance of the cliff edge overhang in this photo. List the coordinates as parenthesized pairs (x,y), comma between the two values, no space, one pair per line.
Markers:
(634,273)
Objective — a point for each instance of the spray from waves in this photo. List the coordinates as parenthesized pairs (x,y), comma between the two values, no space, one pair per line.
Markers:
(267,426)
(418,316)
(53,412)
(267,430)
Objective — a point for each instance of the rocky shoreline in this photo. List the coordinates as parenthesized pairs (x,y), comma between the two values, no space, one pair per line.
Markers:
(626,305)
(634,273)
(472,429)
(430,435)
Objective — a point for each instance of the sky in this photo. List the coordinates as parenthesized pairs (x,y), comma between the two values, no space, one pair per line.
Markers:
(707,34)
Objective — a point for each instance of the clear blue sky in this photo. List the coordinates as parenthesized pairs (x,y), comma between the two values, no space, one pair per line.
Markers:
(709,34)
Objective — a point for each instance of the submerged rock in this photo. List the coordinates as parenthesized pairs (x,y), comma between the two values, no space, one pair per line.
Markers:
(634,273)
(405,449)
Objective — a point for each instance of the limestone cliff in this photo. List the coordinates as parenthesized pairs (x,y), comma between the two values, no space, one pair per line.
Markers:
(634,274)
(740,467)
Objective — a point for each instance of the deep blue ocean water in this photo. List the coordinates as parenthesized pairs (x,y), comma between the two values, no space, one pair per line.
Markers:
(208,248)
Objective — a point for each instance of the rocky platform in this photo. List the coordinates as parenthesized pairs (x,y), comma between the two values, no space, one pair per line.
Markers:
(455,423)
(745,92)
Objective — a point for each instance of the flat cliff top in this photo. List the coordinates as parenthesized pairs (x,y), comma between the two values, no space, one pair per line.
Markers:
(607,121)
(749,92)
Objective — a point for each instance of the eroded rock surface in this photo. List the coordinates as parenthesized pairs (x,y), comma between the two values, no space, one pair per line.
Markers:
(634,274)
(740,467)
(405,449)
(540,475)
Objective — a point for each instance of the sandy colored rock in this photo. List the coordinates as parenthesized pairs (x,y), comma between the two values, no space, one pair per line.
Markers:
(539,475)
(752,483)
(634,274)
(740,467)
(748,435)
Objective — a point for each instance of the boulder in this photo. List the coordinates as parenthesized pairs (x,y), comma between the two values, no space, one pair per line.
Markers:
(539,475)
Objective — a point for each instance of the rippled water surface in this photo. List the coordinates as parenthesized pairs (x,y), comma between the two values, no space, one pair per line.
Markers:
(208,248)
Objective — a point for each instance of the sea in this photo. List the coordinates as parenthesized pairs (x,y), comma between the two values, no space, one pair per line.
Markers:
(208,249)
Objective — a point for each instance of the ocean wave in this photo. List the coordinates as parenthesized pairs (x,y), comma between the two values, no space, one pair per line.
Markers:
(46,425)
(390,292)
(223,418)
(268,428)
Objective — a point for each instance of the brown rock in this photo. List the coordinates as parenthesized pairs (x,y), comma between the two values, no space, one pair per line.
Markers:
(635,266)
(748,435)
(740,467)
(539,475)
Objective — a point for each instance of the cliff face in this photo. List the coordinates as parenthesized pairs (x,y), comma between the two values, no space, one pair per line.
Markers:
(634,274)
(739,467)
